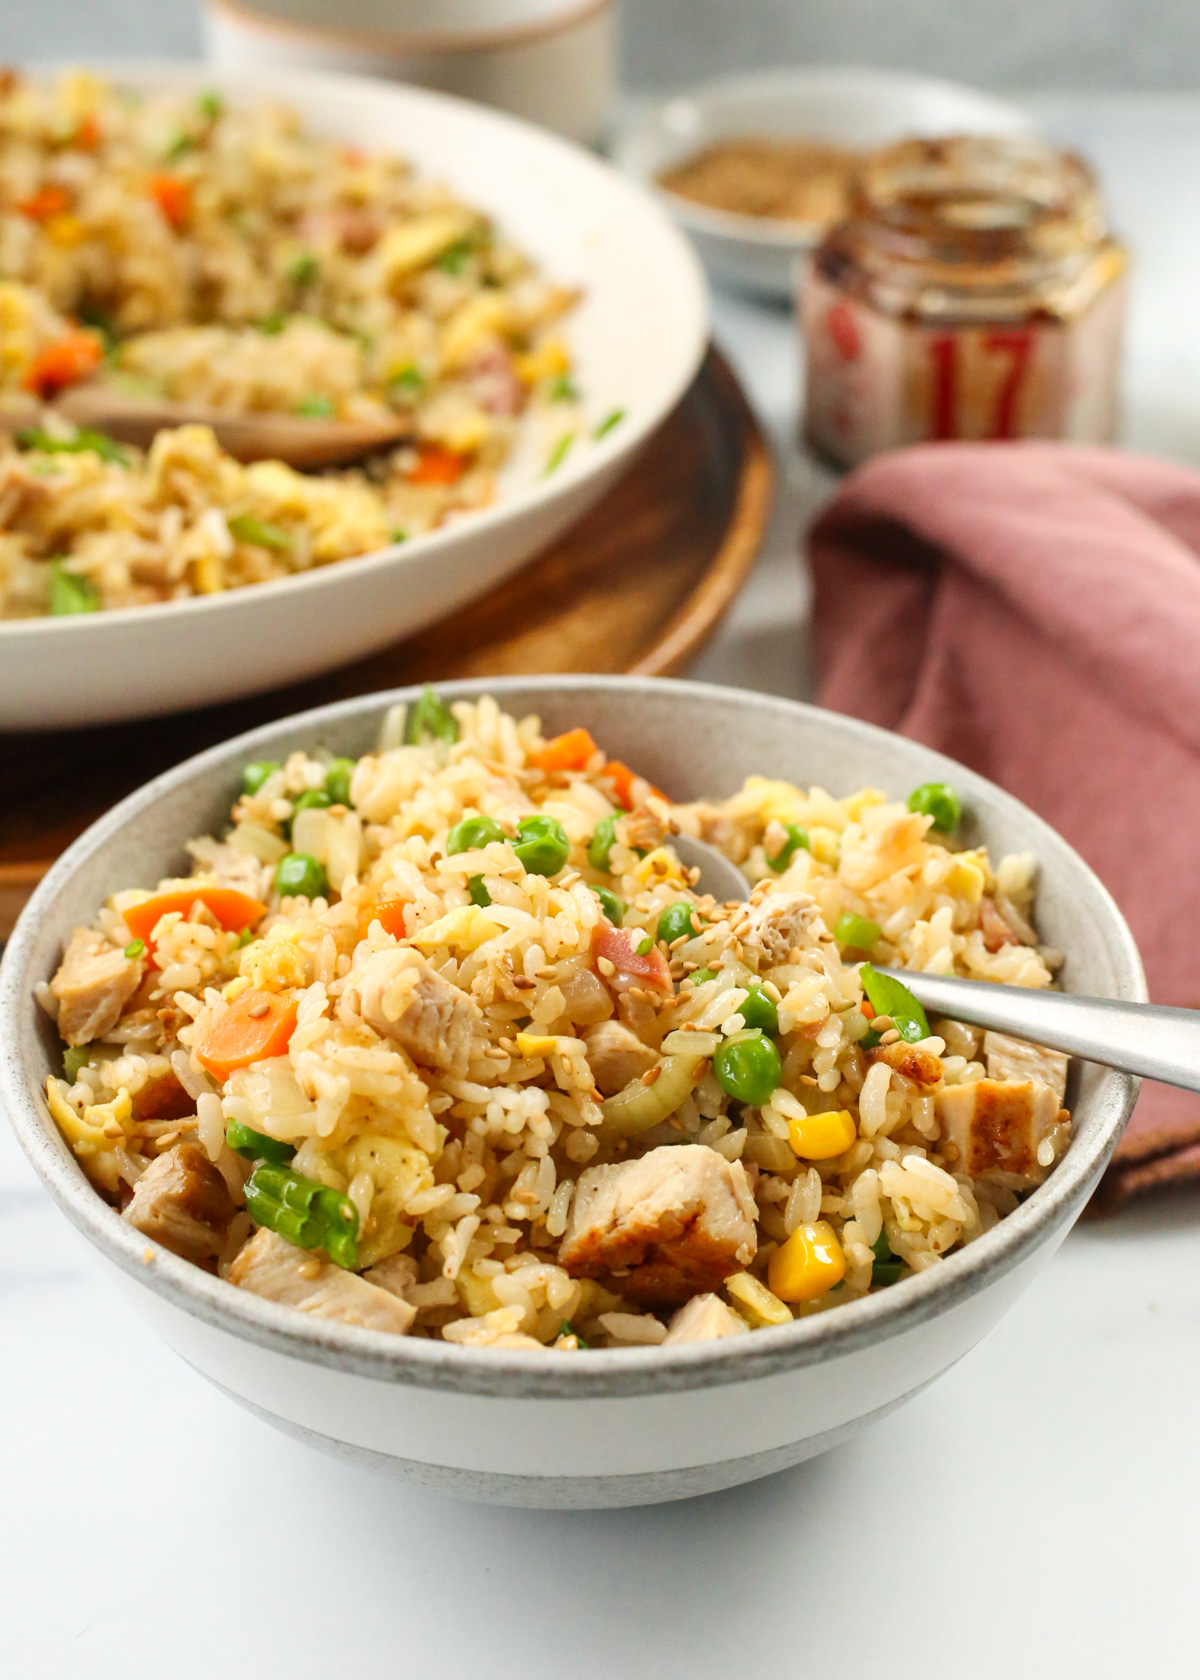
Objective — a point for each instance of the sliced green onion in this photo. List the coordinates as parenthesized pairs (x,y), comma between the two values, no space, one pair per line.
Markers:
(454,258)
(408,379)
(566,1328)
(397,536)
(563,389)
(83,441)
(557,455)
(246,528)
(609,421)
(70,593)
(888,996)
(430,719)
(796,840)
(210,105)
(303,269)
(179,147)
(303,1212)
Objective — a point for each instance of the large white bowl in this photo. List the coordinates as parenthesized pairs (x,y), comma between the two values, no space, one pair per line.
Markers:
(860,109)
(612,1427)
(638,336)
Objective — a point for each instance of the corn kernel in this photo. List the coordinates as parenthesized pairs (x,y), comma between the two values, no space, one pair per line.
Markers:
(808,1264)
(546,362)
(755,1301)
(536,1044)
(209,572)
(819,1137)
(968,876)
(65,231)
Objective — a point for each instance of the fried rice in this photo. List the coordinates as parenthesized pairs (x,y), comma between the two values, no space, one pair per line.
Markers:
(445,1041)
(178,248)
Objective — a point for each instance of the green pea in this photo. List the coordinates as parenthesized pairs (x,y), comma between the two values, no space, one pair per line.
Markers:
(136,948)
(602,841)
(477,891)
(254,775)
(472,833)
(337,780)
(70,593)
(939,801)
(298,874)
(542,845)
(748,1069)
(759,1009)
(312,799)
(430,719)
(797,840)
(610,904)
(856,933)
(698,976)
(677,921)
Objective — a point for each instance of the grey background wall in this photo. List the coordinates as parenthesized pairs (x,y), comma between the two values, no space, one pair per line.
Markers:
(999,43)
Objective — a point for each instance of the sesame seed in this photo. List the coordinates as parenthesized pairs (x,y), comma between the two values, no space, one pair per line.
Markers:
(651,1075)
(606,967)
(259,1009)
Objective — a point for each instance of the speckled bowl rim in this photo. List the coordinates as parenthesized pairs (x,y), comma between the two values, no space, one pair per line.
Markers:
(605,1372)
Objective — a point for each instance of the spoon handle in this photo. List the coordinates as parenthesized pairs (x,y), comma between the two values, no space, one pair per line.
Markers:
(1141,1038)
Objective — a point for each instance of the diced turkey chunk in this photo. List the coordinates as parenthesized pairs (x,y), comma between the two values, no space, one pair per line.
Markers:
(183,1202)
(705,1318)
(1012,1058)
(673,1224)
(402,996)
(277,1271)
(996,1126)
(780,923)
(615,1056)
(95,981)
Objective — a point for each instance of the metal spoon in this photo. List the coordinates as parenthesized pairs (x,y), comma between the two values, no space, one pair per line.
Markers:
(1139,1038)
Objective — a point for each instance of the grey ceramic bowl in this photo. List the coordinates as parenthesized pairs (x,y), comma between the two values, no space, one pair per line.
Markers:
(616,1427)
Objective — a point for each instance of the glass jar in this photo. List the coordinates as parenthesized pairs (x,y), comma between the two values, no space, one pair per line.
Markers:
(974,291)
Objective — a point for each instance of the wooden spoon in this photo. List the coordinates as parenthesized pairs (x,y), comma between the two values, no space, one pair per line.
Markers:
(247,437)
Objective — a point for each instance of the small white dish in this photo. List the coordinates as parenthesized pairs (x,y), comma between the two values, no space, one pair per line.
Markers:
(859,109)
(638,336)
(614,1426)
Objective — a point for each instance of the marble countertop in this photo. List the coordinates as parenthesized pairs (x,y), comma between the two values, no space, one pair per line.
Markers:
(1030,1513)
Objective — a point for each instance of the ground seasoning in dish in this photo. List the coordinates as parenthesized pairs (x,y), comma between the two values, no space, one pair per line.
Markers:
(974,291)
(781,180)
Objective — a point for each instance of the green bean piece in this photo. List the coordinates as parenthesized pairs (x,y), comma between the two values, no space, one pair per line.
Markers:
(888,996)
(317,407)
(75,1057)
(246,528)
(84,441)
(542,845)
(337,780)
(472,833)
(748,1068)
(758,1009)
(796,840)
(254,775)
(939,801)
(299,875)
(257,1146)
(71,594)
(606,425)
(303,1212)
(613,907)
(430,719)
(477,891)
(603,838)
(136,948)
(677,921)
(856,933)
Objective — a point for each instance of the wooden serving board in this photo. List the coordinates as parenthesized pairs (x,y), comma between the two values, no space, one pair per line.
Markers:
(638,585)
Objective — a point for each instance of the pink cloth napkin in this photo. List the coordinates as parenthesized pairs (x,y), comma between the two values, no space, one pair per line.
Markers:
(1034,611)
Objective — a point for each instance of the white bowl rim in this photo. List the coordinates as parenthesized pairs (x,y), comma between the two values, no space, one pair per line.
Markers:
(620,443)
(775,233)
(513,1374)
